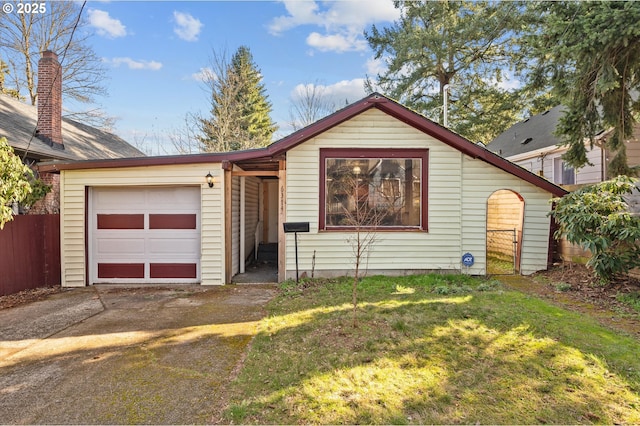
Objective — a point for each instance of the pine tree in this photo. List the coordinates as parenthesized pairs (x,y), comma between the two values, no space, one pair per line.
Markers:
(252,97)
(239,105)
(589,52)
(462,47)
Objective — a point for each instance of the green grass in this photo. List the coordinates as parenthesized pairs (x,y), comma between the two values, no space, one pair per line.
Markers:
(498,265)
(631,299)
(432,349)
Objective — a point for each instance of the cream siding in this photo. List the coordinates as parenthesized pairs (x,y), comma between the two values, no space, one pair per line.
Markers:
(544,165)
(633,147)
(481,180)
(235,225)
(395,251)
(252,214)
(73,204)
(458,190)
(591,173)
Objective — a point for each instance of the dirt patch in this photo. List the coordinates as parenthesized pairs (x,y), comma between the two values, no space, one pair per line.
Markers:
(28,296)
(575,287)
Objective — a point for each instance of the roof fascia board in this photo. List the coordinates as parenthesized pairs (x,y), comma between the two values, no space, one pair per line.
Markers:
(537,153)
(155,161)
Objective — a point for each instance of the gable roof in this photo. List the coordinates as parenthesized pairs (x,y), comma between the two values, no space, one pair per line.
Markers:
(268,157)
(81,142)
(532,134)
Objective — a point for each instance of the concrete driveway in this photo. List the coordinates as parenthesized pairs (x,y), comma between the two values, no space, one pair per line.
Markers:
(110,355)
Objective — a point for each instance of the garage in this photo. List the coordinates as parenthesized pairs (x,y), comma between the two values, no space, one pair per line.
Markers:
(144,235)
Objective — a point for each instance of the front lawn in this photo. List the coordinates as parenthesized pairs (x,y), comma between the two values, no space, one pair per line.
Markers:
(432,349)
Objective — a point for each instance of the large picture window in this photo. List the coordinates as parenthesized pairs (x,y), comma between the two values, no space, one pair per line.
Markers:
(377,188)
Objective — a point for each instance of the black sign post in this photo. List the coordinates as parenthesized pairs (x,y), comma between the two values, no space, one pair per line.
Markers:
(296,227)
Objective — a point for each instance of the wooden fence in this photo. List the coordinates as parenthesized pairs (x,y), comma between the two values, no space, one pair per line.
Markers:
(29,253)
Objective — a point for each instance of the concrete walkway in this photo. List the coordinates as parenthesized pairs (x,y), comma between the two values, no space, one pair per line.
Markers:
(109,355)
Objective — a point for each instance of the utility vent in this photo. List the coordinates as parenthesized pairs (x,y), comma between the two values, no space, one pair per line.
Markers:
(526,141)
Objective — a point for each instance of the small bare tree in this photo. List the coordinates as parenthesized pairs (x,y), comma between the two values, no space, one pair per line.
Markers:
(310,103)
(185,139)
(364,218)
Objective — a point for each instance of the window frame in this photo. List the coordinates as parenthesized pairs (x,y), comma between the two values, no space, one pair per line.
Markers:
(375,153)
(562,170)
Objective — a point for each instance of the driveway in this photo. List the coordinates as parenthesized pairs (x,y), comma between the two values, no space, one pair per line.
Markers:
(110,355)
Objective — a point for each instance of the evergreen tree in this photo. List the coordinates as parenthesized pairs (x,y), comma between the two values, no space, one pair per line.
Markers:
(464,47)
(239,105)
(252,98)
(589,52)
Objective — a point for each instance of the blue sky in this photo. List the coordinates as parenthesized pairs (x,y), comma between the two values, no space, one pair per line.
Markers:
(155,52)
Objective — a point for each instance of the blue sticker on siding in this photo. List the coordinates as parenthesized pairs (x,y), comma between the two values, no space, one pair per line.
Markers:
(467,259)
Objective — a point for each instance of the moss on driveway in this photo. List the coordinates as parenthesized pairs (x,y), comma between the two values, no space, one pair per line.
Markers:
(143,355)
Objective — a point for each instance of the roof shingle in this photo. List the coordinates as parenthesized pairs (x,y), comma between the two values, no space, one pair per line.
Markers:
(81,142)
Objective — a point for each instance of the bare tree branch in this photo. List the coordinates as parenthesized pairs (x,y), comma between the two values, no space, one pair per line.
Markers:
(309,104)
(24,36)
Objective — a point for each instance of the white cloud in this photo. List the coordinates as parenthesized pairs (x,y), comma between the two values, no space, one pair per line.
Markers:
(105,25)
(336,42)
(340,94)
(135,65)
(375,66)
(204,75)
(300,13)
(187,27)
(343,22)
(507,82)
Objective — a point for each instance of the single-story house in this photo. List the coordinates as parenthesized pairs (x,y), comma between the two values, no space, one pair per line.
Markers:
(533,144)
(197,218)
(40,133)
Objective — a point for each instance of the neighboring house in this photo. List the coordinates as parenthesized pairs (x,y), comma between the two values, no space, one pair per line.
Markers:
(40,134)
(533,145)
(157,220)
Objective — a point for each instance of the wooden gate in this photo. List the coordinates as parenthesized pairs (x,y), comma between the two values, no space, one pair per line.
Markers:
(501,251)
(29,253)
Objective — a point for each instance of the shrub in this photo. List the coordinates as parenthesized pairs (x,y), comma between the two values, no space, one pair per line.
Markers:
(597,217)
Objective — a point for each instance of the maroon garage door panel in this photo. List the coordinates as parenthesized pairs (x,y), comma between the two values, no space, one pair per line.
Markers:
(120,270)
(121,221)
(173,270)
(172,221)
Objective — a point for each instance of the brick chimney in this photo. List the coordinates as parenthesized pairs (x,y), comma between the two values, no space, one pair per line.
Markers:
(49,92)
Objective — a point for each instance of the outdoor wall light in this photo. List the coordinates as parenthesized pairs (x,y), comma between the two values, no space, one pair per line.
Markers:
(209,178)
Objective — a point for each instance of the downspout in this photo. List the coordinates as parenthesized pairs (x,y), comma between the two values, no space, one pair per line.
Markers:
(603,161)
(541,157)
(445,114)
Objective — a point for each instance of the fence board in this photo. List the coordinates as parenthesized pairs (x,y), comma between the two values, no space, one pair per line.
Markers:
(29,253)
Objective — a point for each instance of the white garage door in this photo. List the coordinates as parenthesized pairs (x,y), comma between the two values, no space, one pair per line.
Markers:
(145,235)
